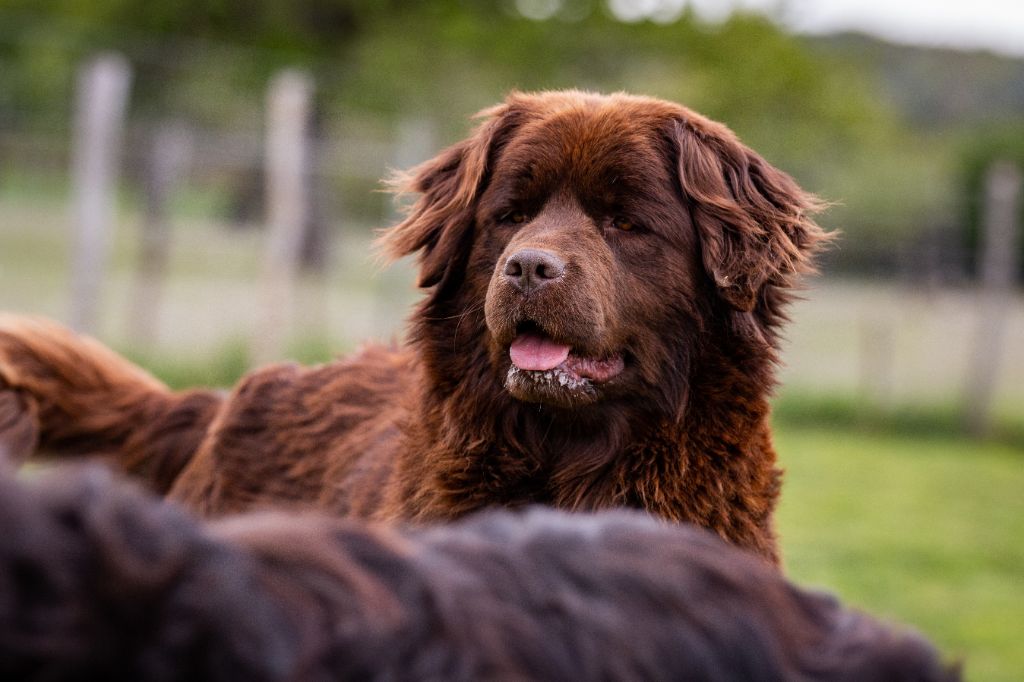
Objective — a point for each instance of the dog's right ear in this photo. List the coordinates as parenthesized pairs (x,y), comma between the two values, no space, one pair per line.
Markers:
(755,224)
(438,225)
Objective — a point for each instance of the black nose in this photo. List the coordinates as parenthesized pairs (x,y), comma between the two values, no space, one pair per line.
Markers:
(531,269)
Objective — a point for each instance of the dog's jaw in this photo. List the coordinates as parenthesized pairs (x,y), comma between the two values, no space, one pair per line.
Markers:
(554,386)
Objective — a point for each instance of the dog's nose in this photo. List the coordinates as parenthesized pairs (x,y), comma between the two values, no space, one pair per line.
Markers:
(531,269)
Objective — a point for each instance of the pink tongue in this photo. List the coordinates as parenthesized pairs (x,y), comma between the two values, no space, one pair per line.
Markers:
(535,352)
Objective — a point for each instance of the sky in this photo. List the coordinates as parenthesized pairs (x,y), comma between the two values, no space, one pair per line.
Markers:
(996,25)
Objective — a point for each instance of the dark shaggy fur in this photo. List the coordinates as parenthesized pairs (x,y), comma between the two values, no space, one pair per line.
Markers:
(100,583)
(633,243)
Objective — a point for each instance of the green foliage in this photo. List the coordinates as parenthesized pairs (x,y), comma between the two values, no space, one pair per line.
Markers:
(399,56)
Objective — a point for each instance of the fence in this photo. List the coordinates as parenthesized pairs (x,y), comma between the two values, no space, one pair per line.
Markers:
(293,178)
(263,230)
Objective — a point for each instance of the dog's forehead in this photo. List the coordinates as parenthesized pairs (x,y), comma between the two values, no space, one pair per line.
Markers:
(587,144)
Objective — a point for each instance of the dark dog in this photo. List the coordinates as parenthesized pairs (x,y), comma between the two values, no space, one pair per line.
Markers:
(98,582)
(605,280)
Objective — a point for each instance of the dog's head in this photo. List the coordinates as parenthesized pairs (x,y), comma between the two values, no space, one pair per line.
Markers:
(602,232)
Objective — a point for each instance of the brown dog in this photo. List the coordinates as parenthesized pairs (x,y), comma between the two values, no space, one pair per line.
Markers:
(605,280)
(100,583)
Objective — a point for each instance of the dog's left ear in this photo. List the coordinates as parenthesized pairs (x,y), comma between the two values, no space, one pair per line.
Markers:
(755,224)
(438,224)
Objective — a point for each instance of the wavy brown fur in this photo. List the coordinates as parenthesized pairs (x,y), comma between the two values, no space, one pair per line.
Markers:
(100,582)
(69,393)
(692,300)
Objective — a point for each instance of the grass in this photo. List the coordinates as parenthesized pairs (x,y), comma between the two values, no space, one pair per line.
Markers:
(221,367)
(847,411)
(926,531)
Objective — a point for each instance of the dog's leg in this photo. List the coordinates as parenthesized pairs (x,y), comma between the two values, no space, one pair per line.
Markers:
(70,395)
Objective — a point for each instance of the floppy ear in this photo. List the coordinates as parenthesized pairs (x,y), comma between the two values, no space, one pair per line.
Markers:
(438,225)
(754,222)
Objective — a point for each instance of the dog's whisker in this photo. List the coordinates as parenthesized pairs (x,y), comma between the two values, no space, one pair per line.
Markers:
(443,318)
(472,309)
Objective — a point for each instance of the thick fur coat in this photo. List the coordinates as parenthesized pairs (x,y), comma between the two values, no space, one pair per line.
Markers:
(98,582)
(605,278)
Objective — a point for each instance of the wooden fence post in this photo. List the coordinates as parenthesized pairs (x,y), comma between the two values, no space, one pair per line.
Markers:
(167,157)
(999,249)
(287,150)
(316,238)
(876,362)
(102,93)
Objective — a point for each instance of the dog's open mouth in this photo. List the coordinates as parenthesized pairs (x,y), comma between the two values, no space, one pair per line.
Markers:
(532,351)
(544,369)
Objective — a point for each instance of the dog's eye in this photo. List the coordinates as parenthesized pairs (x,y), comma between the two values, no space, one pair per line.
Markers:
(624,224)
(514,217)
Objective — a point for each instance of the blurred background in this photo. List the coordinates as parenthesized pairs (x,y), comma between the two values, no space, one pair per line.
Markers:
(196,182)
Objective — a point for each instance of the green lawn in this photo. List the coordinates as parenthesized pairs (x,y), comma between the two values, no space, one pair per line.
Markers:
(925,531)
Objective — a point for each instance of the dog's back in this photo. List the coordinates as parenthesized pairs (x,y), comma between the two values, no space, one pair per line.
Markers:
(272,440)
(100,582)
(290,436)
